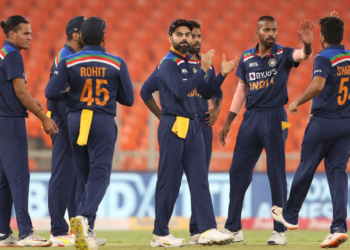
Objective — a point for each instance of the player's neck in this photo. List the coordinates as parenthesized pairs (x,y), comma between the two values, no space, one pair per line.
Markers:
(14,43)
(194,55)
(263,51)
(74,46)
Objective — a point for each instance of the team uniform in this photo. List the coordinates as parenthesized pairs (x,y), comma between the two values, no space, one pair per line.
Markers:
(181,143)
(263,126)
(62,184)
(327,137)
(14,168)
(97,81)
(151,85)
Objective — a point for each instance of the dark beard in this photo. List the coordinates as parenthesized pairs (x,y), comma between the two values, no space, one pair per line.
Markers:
(182,49)
(80,42)
(267,44)
(193,50)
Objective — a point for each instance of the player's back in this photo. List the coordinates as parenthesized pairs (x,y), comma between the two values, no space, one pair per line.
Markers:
(95,80)
(333,64)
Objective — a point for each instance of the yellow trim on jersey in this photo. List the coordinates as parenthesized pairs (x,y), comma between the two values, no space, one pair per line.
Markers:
(180,127)
(85,125)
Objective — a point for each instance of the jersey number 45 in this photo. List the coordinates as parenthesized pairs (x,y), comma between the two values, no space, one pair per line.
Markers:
(87,93)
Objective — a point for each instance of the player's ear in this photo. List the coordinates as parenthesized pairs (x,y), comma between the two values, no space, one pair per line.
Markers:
(170,39)
(257,32)
(103,41)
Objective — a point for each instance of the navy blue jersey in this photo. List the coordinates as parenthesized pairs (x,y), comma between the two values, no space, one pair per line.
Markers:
(177,78)
(59,108)
(266,77)
(97,81)
(11,67)
(333,64)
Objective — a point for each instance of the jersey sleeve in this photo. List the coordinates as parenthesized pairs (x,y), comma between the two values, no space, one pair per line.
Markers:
(321,67)
(13,66)
(55,89)
(125,94)
(288,51)
(150,86)
(241,72)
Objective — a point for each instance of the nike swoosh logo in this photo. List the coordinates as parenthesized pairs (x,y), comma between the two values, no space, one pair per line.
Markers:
(273,211)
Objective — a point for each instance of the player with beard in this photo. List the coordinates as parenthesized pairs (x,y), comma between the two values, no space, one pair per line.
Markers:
(327,135)
(181,144)
(263,72)
(206,117)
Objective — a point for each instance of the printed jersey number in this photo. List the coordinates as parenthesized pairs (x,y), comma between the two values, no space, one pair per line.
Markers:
(86,94)
(343,91)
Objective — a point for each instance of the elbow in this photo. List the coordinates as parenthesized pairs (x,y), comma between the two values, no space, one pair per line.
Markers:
(129,102)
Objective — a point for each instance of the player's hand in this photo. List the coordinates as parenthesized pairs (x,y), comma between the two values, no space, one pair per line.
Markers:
(334,14)
(223,134)
(50,126)
(213,116)
(67,90)
(293,108)
(206,60)
(306,32)
(40,105)
(228,66)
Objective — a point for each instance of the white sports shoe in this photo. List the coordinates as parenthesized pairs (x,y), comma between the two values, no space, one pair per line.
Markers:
(214,236)
(277,214)
(34,240)
(237,234)
(99,241)
(10,241)
(194,239)
(334,240)
(277,239)
(84,240)
(167,241)
(62,240)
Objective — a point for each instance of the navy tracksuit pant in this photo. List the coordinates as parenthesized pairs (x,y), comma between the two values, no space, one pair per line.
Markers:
(179,155)
(94,161)
(327,139)
(14,175)
(62,184)
(208,142)
(259,129)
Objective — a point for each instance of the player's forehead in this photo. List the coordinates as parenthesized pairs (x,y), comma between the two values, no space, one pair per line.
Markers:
(267,24)
(182,30)
(196,31)
(25,27)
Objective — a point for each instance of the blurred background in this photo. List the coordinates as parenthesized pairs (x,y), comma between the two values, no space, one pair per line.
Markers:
(137,31)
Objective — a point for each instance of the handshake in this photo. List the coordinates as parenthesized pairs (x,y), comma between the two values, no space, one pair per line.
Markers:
(226,66)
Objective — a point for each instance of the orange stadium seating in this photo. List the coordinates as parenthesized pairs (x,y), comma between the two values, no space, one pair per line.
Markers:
(137,31)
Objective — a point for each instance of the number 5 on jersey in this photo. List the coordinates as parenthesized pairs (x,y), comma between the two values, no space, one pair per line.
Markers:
(87,93)
(342,98)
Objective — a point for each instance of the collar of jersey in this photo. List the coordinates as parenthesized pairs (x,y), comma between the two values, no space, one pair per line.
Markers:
(94,47)
(181,55)
(273,50)
(69,48)
(8,43)
(334,47)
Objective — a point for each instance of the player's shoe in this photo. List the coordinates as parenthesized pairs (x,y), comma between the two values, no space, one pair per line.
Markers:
(84,240)
(34,240)
(62,240)
(277,214)
(99,241)
(277,239)
(167,241)
(237,234)
(194,239)
(335,239)
(8,241)
(215,237)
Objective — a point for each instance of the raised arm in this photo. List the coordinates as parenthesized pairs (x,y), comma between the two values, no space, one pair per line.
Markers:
(306,36)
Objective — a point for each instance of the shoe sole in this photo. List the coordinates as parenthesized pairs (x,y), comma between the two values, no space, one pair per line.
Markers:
(282,221)
(47,245)
(216,242)
(339,240)
(80,240)
(161,244)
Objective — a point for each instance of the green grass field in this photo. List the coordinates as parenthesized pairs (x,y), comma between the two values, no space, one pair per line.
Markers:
(252,240)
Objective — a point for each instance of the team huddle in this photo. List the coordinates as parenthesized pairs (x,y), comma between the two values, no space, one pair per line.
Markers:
(85,85)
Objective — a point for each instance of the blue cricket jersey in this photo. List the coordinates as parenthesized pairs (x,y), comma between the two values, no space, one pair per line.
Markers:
(266,77)
(60,108)
(11,67)
(333,64)
(97,81)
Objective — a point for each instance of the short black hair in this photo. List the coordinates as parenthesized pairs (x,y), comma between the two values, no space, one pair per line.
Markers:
(92,40)
(12,23)
(195,24)
(266,18)
(70,37)
(332,28)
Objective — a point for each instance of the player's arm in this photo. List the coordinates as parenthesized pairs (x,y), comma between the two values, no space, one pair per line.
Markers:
(306,36)
(236,105)
(320,74)
(56,88)
(217,101)
(30,103)
(148,88)
(125,95)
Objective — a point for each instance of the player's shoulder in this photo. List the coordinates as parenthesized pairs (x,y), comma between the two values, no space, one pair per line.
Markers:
(9,51)
(248,54)
(169,58)
(280,50)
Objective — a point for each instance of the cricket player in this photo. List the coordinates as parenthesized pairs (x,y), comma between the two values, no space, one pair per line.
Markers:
(14,102)
(181,143)
(263,73)
(97,80)
(206,117)
(327,135)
